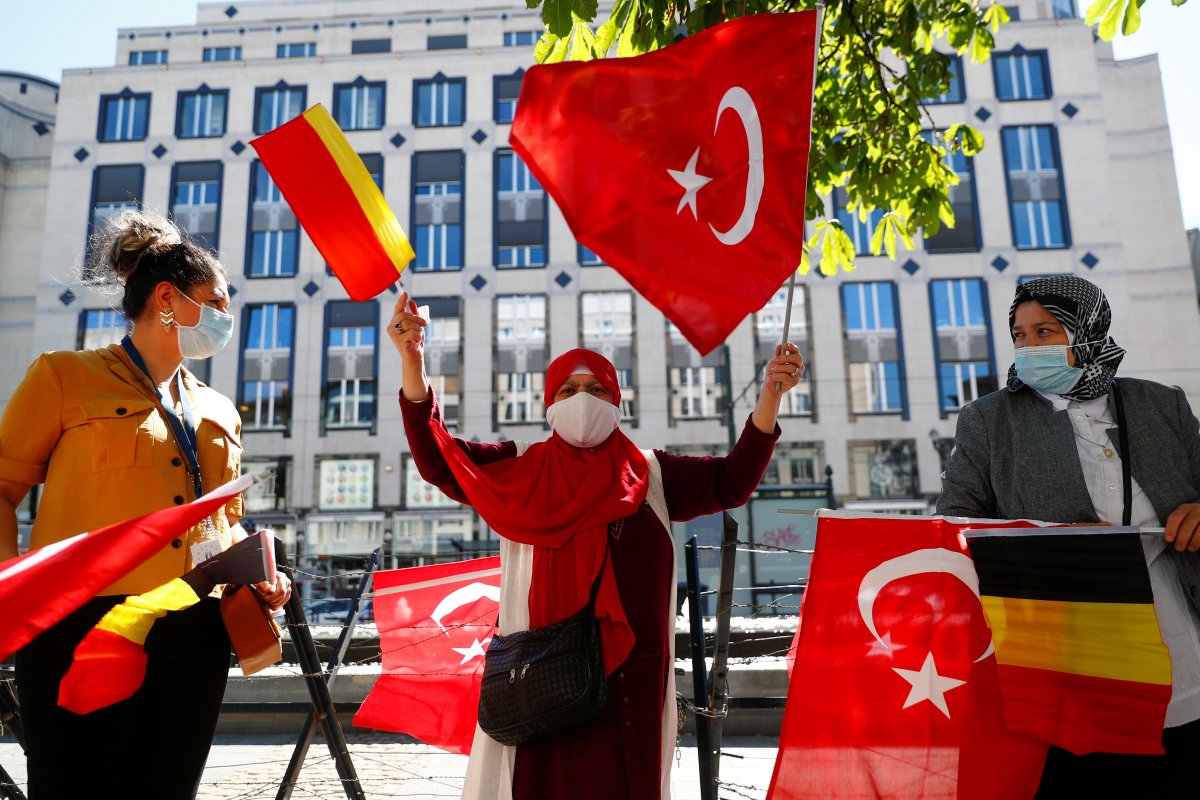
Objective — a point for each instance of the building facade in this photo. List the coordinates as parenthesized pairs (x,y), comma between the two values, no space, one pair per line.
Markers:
(1077,177)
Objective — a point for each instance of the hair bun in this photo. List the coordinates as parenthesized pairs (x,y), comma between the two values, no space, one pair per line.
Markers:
(131,234)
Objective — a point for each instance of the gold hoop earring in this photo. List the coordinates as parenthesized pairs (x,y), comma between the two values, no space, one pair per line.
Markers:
(166,318)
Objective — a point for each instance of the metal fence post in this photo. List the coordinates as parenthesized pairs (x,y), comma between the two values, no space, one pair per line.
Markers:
(704,749)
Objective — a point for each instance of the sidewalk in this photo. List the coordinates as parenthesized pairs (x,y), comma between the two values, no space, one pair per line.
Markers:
(388,766)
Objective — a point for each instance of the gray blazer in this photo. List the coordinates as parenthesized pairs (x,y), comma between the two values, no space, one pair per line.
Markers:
(1015,457)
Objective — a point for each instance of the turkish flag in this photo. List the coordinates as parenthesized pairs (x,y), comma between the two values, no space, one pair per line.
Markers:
(685,168)
(41,587)
(435,624)
(894,692)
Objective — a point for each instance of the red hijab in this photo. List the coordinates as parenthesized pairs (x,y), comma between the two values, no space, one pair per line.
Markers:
(561,498)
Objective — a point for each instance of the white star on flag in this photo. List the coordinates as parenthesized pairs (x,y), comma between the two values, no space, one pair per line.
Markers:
(883,646)
(928,685)
(474,651)
(691,182)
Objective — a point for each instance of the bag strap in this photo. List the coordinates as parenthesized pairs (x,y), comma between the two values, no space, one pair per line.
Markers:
(1126,454)
(600,574)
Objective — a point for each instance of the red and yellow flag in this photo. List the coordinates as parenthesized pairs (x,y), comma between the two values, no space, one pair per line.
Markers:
(340,207)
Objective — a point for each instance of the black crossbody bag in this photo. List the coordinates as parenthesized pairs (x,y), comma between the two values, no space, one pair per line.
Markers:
(542,680)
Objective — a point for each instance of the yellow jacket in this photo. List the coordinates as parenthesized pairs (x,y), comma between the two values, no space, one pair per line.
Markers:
(87,424)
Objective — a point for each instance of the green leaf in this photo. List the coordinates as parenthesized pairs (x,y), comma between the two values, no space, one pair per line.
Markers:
(582,41)
(542,50)
(557,16)
(606,35)
(1133,19)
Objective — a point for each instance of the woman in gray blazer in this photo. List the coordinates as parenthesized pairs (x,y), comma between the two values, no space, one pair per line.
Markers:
(1046,448)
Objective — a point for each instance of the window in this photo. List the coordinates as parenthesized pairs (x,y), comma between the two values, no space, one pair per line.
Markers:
(697,383)
(100,328)
(233,53)
(201,114)
(962,343)
(265,399)
(437,210)
(506,89)
(347,484)
(147,57)
(520,211)
(123,117)
(858,229)
(954,90)
(1063,9)
(1014,13)
(443,354)
(1021,76)
(456,41)
(276,105)
(269,494)
(374,164)
(358,106)
(587,258)
(521,358)
(115,187)
(1035,188)
(274,236)
(768,334)
(296,50)
(439,101)
(364,46)
(796,463)
(874,352)
(521,38)
(883,469)
(351,361)
(196,199)
(607,328)
(964,236)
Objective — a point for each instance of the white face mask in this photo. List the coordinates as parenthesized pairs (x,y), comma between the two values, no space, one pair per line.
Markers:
(583,420)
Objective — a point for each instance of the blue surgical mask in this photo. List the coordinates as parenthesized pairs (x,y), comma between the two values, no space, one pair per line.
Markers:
(1045,368)
(208,336)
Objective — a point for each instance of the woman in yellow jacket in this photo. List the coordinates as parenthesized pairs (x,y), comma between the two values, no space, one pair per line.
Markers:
(113,434)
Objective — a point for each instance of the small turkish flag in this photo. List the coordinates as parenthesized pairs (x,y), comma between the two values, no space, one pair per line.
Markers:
(435,624)
(895,692)
(685,168)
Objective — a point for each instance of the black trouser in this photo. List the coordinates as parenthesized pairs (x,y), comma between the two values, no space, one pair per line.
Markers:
(1125,777)
(150,747)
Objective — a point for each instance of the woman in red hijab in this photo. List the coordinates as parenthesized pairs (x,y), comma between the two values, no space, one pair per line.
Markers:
(559,506)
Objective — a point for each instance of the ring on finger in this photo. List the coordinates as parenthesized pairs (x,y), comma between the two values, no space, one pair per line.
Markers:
(399,327)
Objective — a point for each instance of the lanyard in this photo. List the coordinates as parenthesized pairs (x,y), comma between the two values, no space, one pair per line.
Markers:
(184,429)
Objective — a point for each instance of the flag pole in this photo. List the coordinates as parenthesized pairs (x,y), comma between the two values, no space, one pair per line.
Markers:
(787,313)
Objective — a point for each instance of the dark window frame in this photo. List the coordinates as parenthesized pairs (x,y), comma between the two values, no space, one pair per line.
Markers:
(183,94)
(323,427)
(361,83)
(496,155)
(497,80)
(1062,188)
(124,94)
(905,412)
(95,190)
(1042,55)
(256,165)
(985,300)
(259,91)
(243,338)
(416,99)
(216,237)
(462,212)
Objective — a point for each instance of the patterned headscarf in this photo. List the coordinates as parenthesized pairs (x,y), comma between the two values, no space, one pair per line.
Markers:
(1083,310)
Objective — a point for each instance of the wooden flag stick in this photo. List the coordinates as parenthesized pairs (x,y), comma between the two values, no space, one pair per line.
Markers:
(787,313)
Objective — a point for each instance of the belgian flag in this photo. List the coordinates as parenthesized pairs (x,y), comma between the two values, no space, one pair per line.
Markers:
(1082,663)
(332,194)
